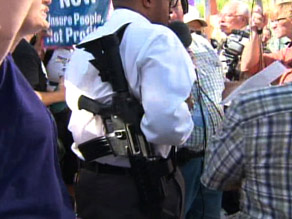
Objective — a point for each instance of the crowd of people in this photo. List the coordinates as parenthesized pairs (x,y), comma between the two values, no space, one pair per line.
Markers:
(130,123)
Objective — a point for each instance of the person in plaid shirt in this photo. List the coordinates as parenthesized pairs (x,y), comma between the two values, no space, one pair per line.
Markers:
(253,152)
(201,202)
(207,115)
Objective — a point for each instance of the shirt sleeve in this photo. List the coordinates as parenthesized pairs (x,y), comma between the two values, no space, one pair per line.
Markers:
(29,67)
(225,155)
(167,76)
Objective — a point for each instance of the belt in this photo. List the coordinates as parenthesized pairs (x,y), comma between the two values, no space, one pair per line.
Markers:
(184,155)
(163,167)
(105,168)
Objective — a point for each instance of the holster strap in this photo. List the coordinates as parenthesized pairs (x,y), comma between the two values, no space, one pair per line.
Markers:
(95,148)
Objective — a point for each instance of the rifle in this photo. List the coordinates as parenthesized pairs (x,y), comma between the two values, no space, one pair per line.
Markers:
(122,123)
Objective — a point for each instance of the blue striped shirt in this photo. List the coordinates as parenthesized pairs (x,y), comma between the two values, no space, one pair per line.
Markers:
(253,152)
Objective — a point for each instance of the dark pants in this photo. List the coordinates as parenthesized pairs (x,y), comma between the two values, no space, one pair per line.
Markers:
(114,196)
(69,160)
(200,202)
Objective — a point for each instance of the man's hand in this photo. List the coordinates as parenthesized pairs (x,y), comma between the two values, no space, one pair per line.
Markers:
(258,19)
(190,101)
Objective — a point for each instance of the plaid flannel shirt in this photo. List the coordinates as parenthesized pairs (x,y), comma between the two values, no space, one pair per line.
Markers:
(211,81)
(253,151)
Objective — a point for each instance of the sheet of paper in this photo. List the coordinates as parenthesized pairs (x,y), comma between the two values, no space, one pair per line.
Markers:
(262,79)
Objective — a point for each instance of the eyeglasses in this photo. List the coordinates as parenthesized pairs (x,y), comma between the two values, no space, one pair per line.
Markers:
(278,19)
(173,3)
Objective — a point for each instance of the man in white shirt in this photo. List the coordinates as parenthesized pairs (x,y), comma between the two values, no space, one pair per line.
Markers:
(160,75)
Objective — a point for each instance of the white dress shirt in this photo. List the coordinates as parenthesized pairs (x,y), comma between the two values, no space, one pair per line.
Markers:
(160,74)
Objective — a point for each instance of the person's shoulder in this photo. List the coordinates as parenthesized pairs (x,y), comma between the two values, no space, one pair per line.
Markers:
(201,41)
(24,47)
(138,25)
(264,101)
(149,37)
(149,29)
(198,37)
(267,93)
(137,22)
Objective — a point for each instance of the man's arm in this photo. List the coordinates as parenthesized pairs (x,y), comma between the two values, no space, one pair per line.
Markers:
(250,60)
(12,14)
(49,98)
(167,79)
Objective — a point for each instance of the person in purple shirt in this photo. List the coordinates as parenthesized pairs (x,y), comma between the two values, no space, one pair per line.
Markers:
(30,180)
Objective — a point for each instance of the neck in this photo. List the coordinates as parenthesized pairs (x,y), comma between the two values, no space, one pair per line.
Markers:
(131,5)
(15,43)
(18,38)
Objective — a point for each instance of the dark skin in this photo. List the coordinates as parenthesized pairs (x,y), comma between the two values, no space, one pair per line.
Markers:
(157,11)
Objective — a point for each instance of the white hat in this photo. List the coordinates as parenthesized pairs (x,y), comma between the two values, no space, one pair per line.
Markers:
(193,15)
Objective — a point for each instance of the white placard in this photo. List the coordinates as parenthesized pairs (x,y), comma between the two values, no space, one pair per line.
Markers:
(262,79)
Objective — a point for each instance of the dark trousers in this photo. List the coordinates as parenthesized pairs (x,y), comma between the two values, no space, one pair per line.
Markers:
(114,196)
(69,160)
(200,202)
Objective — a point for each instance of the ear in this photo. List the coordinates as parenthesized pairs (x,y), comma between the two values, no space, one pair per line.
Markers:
(147,3)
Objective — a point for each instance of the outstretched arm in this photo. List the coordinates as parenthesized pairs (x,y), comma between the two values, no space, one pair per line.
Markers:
(12,14)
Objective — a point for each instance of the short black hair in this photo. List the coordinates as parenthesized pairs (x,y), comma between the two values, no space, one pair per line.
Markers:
(185,6)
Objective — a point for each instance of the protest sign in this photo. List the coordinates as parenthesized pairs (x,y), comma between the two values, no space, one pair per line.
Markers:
(72,20)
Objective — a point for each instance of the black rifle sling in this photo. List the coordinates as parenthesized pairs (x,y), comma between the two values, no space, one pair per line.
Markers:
(150,174)
(107,59)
